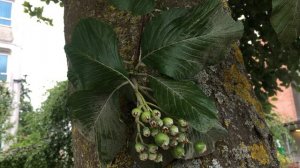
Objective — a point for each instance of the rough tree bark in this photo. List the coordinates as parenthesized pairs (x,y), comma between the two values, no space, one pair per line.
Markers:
(248,144)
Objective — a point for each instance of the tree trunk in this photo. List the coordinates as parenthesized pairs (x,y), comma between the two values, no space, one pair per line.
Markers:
(248,144)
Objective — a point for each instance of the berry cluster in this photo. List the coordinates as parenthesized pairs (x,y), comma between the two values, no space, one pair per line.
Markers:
(162,133)
(166,134)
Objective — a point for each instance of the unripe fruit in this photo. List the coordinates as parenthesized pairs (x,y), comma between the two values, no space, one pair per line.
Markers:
(165,129)
(182,123)
(153,123)
(173,143)
(182,138)
(183,129)
(159,122)
(168,121)
(200,147)
(161,139)
(165,146)
(159,158)
(152,156)
(146,132)
(152,148)
(154,131)
(143,156)
(136,112)
(146,116)
(186,141)
(156,114)
(178,152)
(139,147)
(174,130)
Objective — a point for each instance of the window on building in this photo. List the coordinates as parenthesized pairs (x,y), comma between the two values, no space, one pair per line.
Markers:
(5,12)
(3,67)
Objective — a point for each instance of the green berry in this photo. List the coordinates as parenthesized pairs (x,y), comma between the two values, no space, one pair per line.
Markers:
(182,123)
(161,139)
(200,147)
(159,158)
(183,129)
(136,112)
(139,147)
(156,114)
(146,116)
(178,152)
(146,132)
(165,146)
(168,121)
(182,137)
(174,130)
(143,156)
(173,143)
(152,156)
(159,122)
(153,123)
(165,129)
(186,141)
(154,131)
(152,148)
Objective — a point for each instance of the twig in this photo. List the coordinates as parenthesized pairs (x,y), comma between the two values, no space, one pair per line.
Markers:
(136,57)
(146,93)
(146,88)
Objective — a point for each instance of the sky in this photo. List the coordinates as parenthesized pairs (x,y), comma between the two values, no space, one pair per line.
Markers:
(43,58)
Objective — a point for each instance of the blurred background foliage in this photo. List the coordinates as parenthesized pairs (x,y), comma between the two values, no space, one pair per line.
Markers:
(271,61)
(281,137)
(44,136)
(5,102)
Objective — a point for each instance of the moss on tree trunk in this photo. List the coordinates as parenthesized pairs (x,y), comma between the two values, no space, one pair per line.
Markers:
(248,144)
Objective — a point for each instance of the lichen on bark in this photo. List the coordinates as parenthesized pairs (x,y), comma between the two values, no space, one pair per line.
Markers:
(244,124)
(259,153)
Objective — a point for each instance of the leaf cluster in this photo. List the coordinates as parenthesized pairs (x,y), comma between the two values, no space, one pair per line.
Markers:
(267,56)
(178,44)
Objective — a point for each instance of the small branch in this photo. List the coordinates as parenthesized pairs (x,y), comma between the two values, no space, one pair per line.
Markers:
(138,74)
(132,85)
(128,62)
(146,93)
(139,64)
(140,56)
(136,57)
(135,83)
(141,123)
(153,105)
(146,88)
(138,131)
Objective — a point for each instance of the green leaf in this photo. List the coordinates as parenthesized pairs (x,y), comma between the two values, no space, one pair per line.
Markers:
(209,138)
(181,42)
(139,7)
(286,20)
(100,114)
(73,79)
(94,57)
(183,99)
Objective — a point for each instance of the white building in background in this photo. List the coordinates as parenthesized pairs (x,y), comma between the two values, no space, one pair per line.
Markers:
(10,54)
(32,49)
